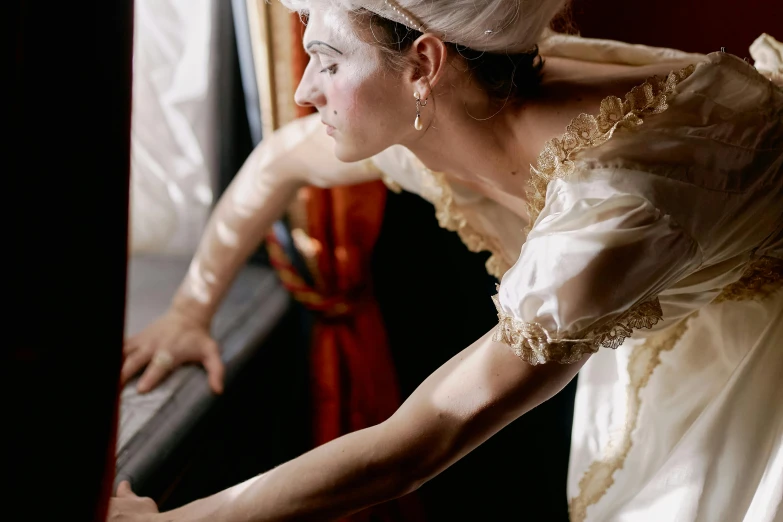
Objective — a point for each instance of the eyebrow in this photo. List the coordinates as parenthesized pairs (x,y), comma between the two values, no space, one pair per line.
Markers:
(319,42)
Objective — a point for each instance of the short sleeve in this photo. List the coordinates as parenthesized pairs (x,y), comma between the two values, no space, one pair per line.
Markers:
(590,272)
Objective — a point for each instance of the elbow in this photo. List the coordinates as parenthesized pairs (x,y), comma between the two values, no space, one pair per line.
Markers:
(408,475)
(419,470)
(410,479)
(418,457)
(405,486)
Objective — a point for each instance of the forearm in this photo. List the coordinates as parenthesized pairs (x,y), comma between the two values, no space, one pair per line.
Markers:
(338,478)
(461,405)
(256,198)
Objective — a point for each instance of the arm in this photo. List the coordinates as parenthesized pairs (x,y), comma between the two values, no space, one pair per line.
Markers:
(299,153)
(458,407)
(597,254)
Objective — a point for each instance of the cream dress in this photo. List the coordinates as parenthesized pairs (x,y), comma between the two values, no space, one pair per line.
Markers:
(656,229)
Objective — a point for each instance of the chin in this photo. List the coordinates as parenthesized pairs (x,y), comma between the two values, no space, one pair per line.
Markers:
(348,154)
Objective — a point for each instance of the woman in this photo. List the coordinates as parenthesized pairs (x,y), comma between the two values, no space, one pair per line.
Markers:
(653,228)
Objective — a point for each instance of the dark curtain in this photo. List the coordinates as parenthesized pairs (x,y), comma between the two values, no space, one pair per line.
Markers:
(66,168)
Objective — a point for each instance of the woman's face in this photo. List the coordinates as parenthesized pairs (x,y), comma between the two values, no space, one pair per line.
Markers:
(359,98)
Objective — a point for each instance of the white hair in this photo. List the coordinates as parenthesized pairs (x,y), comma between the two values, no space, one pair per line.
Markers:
(493,26)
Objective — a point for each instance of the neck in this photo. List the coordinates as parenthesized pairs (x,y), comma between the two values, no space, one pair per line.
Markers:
(474,143)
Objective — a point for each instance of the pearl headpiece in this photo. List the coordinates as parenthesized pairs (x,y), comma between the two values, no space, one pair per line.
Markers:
(405,16)
(492,26)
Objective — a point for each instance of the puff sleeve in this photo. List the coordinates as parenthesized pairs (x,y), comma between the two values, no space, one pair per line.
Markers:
(590,271)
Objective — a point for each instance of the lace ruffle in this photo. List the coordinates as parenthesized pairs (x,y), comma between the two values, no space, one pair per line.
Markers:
(533,344)
(451,218)
(390,183)
(762,277)
(529,340)
(556,160)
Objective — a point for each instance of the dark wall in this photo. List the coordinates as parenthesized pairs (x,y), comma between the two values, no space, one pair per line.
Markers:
(690,25)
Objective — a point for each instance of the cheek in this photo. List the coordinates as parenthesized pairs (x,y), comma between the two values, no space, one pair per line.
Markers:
(344,99)
(362,102)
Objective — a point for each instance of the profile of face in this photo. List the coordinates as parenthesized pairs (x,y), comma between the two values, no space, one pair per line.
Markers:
(364,104)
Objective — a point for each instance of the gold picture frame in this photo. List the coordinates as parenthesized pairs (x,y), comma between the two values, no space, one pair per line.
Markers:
(271,42)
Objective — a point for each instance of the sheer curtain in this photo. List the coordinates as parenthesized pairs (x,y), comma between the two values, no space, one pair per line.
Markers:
(174,121)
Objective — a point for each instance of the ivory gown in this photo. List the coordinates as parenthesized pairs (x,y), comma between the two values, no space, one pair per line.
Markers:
(656,229)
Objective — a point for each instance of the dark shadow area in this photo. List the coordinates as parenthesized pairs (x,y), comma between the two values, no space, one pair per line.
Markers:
(697,27)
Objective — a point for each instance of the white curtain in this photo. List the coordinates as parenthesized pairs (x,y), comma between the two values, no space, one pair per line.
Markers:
(173,151)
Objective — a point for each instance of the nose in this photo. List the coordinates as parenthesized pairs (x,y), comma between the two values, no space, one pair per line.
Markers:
(301,98)
(309,94)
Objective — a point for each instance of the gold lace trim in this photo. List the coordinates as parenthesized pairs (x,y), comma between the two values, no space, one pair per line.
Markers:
(390,183)
(556,160)
(532,343)
(762,277)
(450,218)
(599,477)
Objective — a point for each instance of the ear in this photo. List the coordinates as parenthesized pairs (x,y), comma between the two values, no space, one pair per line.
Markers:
(429,56)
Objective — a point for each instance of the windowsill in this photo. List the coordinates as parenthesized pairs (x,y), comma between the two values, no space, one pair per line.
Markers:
(154,424)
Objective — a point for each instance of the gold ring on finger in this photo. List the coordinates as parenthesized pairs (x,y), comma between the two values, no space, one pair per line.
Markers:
(163,359)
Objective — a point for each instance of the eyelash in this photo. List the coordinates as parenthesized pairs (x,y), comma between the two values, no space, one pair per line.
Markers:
(331,69)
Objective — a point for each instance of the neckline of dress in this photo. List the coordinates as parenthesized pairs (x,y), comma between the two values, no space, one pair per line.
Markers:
(556,160)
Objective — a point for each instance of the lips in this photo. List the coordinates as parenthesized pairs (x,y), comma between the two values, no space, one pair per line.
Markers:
(329,129)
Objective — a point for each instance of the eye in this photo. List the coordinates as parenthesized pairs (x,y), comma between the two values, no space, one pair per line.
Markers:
(330,70)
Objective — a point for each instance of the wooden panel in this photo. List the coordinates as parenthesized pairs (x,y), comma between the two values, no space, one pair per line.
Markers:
(260,34)
(282,45)
(272,40)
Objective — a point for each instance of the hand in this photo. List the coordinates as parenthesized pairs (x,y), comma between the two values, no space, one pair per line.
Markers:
(170,341)
(127,507)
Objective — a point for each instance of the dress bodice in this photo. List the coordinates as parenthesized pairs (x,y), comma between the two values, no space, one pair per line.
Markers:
(655,205)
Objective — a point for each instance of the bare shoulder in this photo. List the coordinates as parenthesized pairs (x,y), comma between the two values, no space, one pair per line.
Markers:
(572,87)
(573,82)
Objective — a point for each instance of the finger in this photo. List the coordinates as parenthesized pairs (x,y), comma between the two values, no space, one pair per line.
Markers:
(214,366)
(154,373)
(130,346)
(133,363)
(124,490)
